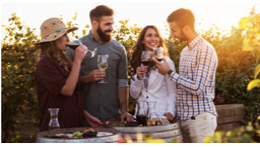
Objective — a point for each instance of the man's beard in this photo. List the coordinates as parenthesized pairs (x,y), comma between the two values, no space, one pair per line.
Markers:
(183,37)
(103,36)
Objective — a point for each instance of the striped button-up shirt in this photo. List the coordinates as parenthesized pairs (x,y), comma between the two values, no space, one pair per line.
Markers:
(196,79)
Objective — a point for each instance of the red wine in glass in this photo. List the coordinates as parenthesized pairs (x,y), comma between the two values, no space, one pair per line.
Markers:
(157,53)
(73,46)
(146,58)
(146,62)
(159,59)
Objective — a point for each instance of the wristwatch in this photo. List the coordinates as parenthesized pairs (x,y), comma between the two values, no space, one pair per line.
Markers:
(168,74)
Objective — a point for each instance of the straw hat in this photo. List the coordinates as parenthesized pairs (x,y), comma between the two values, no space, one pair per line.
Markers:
(52,29)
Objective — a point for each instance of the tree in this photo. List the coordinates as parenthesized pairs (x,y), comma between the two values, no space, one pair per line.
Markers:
(19,103)
(251,42)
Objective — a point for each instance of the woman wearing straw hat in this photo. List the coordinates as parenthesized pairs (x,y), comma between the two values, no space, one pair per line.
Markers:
(57,77)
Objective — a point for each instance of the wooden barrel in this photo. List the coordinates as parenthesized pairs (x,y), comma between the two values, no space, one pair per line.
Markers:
(169,133)
(42,137)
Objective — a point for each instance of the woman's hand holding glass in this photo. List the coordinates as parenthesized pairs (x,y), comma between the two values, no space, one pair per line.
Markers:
(140,71)
(145,59)
(80,52)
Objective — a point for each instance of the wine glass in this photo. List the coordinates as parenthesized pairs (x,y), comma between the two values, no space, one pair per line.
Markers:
(102,63)
(158,53)
(75,43)
(146,58)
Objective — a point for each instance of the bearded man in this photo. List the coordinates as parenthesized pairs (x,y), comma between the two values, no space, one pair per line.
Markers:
(108,102)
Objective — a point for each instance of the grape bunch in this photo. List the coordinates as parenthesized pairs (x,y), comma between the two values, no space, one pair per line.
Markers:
(76,135)
(132,123)
(90,134)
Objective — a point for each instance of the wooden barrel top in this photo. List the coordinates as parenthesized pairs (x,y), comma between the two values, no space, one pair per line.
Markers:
(42,137)
(147,129)
(166,132)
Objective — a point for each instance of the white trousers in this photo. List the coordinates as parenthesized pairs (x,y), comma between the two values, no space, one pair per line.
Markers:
(195,130)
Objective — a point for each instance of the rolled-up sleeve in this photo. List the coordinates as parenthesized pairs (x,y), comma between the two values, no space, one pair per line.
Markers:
(136,87)
(122,83)
(122,70)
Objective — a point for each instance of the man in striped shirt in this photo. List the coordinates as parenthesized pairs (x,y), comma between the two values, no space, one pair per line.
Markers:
(196,78)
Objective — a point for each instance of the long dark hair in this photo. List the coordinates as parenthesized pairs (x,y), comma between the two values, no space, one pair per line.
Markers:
(139,47)
(49,50)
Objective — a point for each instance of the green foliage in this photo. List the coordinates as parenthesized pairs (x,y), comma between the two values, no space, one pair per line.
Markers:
(251,42)
(251,26)
(71,24)
(245,134)
(252,84)
(174,49)
(235,70)
(126,35)
(19,103)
